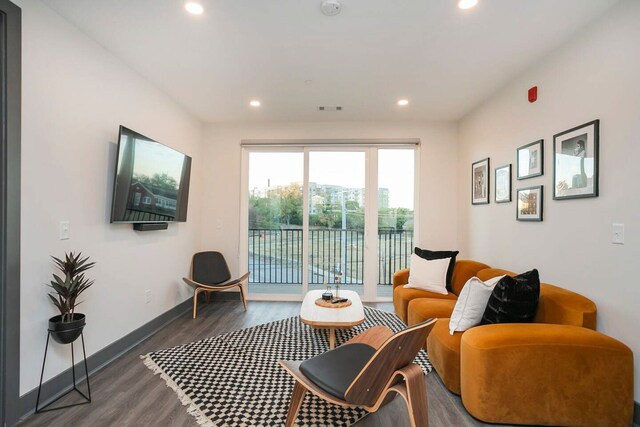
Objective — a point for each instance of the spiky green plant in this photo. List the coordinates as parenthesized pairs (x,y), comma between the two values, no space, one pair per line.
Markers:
(67,290)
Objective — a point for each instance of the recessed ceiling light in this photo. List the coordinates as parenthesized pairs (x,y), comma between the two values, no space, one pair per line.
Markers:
(254,103)
(194,8)
(403,102)
(467,4)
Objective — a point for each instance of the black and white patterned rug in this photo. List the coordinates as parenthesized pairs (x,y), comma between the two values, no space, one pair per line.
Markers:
(234,379)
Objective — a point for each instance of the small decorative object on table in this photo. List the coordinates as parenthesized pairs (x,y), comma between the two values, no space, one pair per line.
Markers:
(327,295)
(334,303)
(337,278)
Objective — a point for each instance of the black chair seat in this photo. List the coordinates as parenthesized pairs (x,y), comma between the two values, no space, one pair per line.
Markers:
(232,282)
(335,370)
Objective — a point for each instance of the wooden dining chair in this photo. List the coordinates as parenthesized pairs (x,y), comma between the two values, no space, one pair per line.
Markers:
(366,371)
(210,273)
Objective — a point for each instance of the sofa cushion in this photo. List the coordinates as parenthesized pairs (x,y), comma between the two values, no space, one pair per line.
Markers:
(563,307)
(541,374)
(444,353)
(429,275)
(464,270)
(514,299)
(402,296)
(471,304)
(421,309)
(432,255)
(489,273)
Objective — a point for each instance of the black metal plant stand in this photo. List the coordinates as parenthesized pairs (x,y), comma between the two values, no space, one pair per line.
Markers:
(87,399)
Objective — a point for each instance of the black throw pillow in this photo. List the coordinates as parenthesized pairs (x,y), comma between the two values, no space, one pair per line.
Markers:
(513,300)
(431,255)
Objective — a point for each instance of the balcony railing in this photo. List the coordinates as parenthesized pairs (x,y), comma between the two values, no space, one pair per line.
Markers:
(275,255)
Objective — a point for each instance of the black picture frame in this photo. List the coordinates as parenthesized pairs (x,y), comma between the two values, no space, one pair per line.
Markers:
(576,159)
(529,208)
(480,182)
(530,160)
(502,177)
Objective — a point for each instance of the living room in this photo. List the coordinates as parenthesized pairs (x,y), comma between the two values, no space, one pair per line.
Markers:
(479,83)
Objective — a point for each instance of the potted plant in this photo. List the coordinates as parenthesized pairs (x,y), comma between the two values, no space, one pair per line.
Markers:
(67,326)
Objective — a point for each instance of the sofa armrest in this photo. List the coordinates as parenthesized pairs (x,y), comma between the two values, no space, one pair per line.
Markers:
(546,374)
(400,277)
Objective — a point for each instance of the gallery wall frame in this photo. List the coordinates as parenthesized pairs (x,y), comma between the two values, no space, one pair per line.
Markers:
(576,162)
(530,203)
(530,160)
(480,182)
(502,182)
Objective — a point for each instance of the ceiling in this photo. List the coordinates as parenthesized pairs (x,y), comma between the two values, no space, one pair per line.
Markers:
(292,58)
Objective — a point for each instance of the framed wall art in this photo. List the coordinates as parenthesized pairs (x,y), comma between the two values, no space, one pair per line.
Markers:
(503,184)
(529,206)
(575,162)
(530,160)
(480,182)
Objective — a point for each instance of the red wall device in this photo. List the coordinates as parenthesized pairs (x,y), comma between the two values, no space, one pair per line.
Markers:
(533,94)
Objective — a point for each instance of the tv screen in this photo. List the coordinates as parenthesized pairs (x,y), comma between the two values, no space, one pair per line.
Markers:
(151,181)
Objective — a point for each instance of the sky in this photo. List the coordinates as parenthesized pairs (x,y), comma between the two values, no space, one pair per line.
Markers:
(153,158)
(347,169)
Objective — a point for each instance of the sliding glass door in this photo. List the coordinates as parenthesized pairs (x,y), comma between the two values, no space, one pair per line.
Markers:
(336,219)
(275,216)
(395,214)
(318,216)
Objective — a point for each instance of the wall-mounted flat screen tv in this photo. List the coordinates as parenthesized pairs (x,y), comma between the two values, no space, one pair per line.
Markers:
(151,181)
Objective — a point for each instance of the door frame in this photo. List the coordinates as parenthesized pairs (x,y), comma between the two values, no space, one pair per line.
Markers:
(370,147)
(10,106)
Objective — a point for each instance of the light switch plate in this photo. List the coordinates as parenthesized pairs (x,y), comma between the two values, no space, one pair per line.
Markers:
(65,230)
(617,234)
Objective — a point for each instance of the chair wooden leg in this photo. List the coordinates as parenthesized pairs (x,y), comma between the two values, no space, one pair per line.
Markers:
(207,297)
(297,396)
(244,300)
(415,395)
(195,300)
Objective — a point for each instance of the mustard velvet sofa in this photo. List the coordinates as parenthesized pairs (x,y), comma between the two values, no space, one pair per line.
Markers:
(555,371)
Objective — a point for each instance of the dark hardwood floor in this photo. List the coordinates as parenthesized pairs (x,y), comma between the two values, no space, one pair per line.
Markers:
(126,393)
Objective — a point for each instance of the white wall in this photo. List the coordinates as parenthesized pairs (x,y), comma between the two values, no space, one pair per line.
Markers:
(594,76)
(438,176)
(75,94)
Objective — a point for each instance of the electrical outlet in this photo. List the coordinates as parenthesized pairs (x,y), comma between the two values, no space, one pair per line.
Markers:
(147,296)
(65,230)
(617,235)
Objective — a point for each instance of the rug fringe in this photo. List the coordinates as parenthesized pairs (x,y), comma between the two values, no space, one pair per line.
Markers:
(192,409)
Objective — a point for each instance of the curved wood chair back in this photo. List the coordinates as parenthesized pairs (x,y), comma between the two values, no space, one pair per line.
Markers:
(209,268)
(397,352)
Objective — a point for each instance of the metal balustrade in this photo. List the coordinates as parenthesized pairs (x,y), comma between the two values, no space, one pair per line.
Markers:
(275,255)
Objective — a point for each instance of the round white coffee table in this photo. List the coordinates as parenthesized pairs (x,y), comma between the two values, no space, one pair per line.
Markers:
(331,318)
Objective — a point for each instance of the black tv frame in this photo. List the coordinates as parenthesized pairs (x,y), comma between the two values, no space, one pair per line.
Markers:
(162,225)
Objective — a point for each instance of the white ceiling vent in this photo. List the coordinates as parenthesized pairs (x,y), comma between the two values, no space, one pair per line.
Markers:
(331,7)
(329,108)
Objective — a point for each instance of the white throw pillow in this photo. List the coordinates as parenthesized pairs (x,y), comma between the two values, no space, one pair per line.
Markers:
(428,275)
(472,302)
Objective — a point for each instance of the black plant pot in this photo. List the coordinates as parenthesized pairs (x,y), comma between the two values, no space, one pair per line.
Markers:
(66,332)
